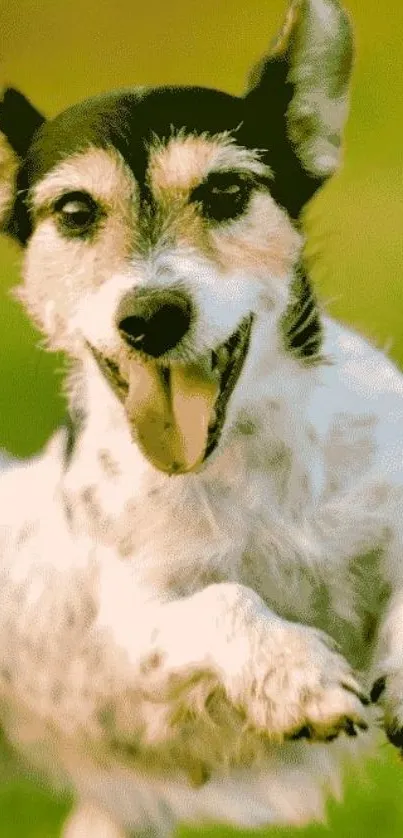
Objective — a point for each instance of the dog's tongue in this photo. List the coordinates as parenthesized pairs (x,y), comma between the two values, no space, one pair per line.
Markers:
(169,410)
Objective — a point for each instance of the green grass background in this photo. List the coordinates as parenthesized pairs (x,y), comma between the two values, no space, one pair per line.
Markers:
(58,52)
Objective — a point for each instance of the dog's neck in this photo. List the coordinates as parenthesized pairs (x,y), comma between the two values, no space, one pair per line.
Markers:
(262,430)
(261,476)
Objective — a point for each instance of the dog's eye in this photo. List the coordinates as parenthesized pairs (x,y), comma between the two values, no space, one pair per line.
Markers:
(77,213)
(223,196)
(231,189)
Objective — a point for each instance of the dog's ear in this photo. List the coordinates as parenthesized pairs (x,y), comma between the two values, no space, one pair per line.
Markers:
(298,98)
(19,120)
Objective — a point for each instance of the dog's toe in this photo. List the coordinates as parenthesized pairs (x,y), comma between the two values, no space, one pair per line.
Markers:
(377,689)
(304,732)
(395,736)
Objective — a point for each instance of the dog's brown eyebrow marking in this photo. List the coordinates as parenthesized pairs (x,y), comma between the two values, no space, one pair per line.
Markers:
(175,166)
(186,159)
(100,172)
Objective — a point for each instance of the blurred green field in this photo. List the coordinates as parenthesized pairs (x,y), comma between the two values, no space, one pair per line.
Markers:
(60,52)
(372,808)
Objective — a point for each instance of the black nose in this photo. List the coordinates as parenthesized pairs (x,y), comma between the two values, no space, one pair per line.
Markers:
(153,320)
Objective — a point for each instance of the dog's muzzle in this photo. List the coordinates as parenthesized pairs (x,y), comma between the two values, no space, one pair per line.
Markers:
(176,410)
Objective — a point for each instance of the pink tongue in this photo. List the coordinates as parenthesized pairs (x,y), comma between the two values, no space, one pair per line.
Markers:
(169,412)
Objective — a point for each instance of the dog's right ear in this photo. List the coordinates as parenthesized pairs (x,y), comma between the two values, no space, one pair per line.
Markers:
(19,121)
(297,101)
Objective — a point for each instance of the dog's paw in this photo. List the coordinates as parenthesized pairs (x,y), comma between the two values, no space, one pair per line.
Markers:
(299,686)
(387,692)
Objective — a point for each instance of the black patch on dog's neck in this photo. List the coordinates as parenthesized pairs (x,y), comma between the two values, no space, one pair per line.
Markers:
(301,325)
(74,425)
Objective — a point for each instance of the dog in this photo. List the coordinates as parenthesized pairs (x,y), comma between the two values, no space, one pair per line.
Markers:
(201,574)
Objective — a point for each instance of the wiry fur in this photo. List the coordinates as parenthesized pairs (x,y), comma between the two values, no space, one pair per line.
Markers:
(163,639)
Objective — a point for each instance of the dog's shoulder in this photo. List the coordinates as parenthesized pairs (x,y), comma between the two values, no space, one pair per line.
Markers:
(357,366)
(357,406)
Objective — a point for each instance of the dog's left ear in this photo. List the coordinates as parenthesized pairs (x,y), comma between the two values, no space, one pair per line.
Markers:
(19,121)
(298,98)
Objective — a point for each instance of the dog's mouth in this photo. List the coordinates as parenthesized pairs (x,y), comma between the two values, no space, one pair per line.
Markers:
(176,411)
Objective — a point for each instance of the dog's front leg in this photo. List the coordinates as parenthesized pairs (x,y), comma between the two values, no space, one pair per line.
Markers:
(287,679)
(86,643)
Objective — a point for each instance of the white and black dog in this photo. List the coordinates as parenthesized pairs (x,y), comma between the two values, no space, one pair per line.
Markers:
(206,569)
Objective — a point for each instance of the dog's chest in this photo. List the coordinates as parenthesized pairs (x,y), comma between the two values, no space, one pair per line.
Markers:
(181,534)
(248,520)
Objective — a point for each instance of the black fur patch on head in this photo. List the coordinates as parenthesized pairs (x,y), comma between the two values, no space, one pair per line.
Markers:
(129,120)
(301,326)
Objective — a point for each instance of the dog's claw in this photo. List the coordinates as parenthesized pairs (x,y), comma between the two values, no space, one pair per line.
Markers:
(349,728)
(304,732)
(377,689)
(395,736)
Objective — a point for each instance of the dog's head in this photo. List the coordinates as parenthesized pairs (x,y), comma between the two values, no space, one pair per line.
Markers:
(161,227)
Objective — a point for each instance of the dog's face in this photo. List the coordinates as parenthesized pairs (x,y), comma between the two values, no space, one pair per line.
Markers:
(160,226)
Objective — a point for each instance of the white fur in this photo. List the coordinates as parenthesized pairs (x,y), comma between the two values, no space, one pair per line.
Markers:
(253,516)
(162,638)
